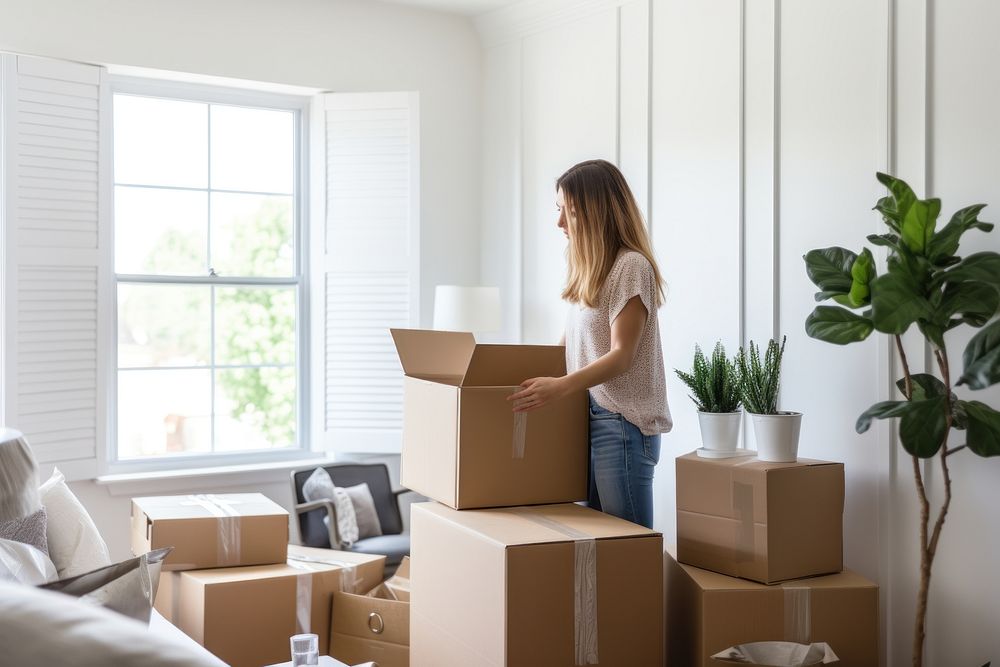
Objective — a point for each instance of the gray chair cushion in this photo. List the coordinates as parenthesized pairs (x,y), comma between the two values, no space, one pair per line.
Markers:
(394,547)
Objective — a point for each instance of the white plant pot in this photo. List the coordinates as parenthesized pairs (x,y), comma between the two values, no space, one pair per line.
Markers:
(720,431)
(777,436)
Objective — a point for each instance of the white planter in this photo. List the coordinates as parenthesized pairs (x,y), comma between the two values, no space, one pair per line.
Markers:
(720,431)
(777,436)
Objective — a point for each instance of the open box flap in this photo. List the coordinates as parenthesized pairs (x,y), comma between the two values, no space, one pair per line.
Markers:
(510,365)
(429,354)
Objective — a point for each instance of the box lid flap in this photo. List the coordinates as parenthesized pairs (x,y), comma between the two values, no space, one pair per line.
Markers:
(751,462)
(428,354)
(539,524)
(208,505)
(510,365)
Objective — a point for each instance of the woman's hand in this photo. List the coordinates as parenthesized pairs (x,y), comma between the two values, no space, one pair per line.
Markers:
(536,392)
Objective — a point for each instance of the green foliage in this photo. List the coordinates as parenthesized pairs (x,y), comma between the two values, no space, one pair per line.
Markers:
(760,379)
(714,381)
(929,285)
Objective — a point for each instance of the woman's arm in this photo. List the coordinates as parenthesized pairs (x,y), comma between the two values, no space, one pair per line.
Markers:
(626,331)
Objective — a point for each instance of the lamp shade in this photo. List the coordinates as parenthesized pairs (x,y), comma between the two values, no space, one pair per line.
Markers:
(475,309)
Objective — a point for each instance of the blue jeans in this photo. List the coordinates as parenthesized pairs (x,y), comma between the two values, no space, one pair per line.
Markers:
(622,461)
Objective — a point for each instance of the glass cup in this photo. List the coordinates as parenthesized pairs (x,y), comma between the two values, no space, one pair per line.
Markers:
(305,650)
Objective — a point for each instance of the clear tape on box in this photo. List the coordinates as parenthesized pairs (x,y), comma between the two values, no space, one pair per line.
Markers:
(520,431)
(584,587)
(304,582)
(798,614)
(229,538)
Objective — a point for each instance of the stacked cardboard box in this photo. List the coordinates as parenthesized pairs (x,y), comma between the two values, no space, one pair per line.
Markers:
(506,569)
(234,584)
(754,541)
(374,626)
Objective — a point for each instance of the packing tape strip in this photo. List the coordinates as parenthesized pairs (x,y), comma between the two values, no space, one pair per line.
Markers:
(584,587)
(520,430)
(743,508)
(303,603)
(348,575)
(798,614)
(229,537)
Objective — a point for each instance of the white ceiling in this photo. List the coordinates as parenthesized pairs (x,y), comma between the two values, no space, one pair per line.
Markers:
(466,7)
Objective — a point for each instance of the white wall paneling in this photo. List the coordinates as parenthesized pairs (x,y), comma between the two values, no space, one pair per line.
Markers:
(766,124)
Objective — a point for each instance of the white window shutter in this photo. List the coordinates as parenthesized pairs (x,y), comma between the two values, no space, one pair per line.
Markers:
(364,264)
(56,259)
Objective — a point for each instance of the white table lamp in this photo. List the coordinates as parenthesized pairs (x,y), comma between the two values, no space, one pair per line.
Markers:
(475,309)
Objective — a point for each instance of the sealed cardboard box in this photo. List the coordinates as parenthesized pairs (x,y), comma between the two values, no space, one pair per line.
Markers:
(209,530)
(462,443)
(762,521)
(552,585)
(376,626)
(708,612)
(245,615)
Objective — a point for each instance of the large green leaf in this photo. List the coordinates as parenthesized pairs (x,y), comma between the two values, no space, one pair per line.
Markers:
(981,267)
(923,426)
(976,302)
(887,240)
(882,410)
(924,385)
(982,358)
(830,269)
(862,274)
(902,200)
(897,303)
(919,223)
(945,242)
(836,325)
(983,434)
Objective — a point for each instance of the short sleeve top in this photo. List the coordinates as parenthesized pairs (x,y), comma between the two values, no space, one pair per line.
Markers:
(639,394)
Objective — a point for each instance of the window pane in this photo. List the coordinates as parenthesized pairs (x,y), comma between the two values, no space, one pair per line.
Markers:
(164,325)
(255,408)
(164,412)
(254,325)
(251,235)
(161,232)
(160,142)
(252,149)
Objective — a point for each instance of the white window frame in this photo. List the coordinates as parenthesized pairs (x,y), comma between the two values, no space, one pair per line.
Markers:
(108,459)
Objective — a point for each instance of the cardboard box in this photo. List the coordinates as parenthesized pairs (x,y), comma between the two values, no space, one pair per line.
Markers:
(551,585)
(462,443)
(762,521)
(708,612)
(245,615)
(376,626)
(208,530)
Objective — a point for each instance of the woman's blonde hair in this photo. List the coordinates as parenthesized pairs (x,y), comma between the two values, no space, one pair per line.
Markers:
(607,221)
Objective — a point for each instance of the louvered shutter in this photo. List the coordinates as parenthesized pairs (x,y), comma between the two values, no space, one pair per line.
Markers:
(365,264)
(56,313)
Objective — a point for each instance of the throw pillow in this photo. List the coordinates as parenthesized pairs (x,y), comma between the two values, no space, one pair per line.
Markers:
(45,628)
(128,587)
(18,477)
(320,486)
(75,546)
(364,509)
(28,530)
(24,564)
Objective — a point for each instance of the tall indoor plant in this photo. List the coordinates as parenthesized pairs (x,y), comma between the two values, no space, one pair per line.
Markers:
(715,390)
(928,284)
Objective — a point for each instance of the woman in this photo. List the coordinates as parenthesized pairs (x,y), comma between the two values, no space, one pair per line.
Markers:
(612,338)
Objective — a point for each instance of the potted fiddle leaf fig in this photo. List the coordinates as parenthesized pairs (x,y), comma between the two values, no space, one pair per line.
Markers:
(776,431)
(715,391)
(928,284)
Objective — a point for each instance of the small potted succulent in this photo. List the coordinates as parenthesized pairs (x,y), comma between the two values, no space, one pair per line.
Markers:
(715,389)
(777,431)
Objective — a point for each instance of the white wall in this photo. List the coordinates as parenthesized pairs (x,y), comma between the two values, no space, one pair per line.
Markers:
(768,123)
(336,45)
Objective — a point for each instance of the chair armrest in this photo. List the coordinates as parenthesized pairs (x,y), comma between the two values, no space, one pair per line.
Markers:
(331,511)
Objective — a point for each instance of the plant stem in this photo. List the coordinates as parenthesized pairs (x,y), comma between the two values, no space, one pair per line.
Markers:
(955,449)
(906,366)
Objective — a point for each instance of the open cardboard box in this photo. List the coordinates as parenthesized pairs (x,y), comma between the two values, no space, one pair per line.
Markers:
(375,626)
(462,443)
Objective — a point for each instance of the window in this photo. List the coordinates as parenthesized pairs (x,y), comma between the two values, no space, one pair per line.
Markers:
(209,281)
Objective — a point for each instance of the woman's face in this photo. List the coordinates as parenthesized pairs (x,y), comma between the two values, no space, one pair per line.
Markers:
(566,217)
